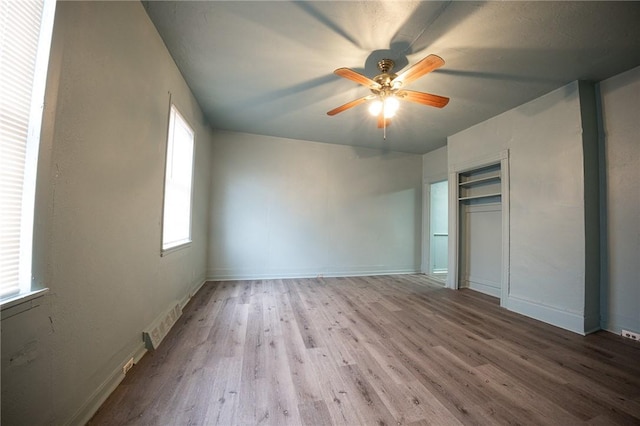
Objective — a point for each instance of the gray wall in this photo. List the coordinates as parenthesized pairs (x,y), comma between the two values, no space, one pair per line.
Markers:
(434,165)
(290,208)
(275,207)
(547,203)
(620,105)
(99,204)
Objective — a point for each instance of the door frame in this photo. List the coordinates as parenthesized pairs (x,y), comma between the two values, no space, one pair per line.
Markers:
(426,220)
(501,157)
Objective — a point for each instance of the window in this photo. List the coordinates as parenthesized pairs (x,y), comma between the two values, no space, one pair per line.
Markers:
(176,219)
(25,34)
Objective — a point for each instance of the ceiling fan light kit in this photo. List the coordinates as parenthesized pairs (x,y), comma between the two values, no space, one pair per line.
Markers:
(387,89)
(387,106)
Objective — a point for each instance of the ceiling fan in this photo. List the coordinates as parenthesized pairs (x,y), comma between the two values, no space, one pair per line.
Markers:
(387,89)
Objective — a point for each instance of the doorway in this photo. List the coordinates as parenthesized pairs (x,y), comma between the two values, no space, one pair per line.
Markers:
(438,229)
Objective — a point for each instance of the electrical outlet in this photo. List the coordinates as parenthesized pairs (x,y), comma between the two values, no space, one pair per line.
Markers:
(127,366)
(631,335)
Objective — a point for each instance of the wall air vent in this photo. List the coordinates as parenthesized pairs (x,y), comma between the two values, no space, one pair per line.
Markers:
(160,327)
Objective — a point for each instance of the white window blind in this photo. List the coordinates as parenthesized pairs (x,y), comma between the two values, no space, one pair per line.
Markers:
(25,39)
(176,219)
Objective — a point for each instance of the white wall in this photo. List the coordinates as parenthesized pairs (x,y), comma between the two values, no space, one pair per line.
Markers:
(290,208)
(99,204)
(547,216)
(620,105)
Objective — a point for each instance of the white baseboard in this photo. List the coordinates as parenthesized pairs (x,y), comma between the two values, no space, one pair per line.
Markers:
(232,275)
(483,286)
(440,279)
(592,322)
(100,395)
(568,320)
(616,323)
(192,292)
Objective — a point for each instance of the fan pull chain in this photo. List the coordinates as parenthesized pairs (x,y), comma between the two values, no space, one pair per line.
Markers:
(384,128)
(384,121)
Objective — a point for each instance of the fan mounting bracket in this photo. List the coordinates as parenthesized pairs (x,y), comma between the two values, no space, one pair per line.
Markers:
(386,79)
(385,65)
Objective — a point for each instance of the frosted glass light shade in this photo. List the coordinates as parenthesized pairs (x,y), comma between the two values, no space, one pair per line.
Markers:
(375,107)
(391,105)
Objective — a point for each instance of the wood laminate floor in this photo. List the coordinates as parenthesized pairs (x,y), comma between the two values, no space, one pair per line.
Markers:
(373,350)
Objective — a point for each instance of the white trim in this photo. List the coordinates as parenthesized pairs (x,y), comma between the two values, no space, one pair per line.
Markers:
(439,279)
(454,223)
(478,162)
(426,221)
(232,275)
(425,259)
(567,320)
(506,240)
(29,34)
(168,251)
(501,157)
(616,323)
(592,321)
(480,285)
(102,392)
(194,290)
(33,145)
(20,299)
(176,118)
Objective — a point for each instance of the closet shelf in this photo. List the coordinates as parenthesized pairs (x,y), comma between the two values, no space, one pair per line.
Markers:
(485,179)
(473,197)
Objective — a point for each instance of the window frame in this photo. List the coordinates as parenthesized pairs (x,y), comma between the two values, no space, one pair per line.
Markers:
(176,245)
(28,289)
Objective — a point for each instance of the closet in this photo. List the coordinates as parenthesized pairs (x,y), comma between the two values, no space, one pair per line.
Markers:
(479,226)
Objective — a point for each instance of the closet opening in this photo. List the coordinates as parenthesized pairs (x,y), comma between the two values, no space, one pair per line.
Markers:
(479,226)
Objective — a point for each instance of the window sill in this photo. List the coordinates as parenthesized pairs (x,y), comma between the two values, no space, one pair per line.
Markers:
(168,251)
(21,303)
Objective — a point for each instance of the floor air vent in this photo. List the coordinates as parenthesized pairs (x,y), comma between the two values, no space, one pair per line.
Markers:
(161,327)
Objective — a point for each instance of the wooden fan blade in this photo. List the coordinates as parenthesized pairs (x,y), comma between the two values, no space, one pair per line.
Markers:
(423,67)
(381,121)
(423,98)
(349,105)
(357,77)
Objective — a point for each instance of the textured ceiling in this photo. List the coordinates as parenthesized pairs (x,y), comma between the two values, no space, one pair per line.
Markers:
(267,67)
